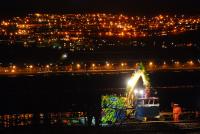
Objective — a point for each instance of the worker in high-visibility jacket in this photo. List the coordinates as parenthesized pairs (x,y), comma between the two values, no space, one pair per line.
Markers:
(176,112)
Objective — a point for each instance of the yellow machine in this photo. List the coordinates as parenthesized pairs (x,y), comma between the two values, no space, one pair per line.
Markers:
(138,100)
(132,92)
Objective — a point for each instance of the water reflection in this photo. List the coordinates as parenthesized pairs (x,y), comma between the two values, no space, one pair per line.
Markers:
(12,120)
(30,119)
(64,119)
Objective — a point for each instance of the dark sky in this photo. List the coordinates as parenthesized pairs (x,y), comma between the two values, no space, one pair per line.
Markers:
(15,7)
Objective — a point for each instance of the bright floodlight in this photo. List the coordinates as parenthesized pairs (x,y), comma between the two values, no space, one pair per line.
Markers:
(141,92)
(130,82)
(136,91)
(64,56)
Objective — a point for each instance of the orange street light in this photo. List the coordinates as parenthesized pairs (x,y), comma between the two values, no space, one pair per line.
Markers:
(31,66)
(78,66)
(13,71)
(93,65)
(107,64)
(191,62)
(150,63)
(177,62)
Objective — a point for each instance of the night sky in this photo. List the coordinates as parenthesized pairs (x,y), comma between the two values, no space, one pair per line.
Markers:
(135,7)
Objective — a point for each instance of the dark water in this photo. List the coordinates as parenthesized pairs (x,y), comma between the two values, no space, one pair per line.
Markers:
(67,92)
(179,87)
(65,99)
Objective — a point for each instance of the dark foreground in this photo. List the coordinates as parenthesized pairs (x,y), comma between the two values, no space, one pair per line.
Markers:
(152,127)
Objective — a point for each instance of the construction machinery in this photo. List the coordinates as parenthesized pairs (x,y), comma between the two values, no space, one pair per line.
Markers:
(138,97)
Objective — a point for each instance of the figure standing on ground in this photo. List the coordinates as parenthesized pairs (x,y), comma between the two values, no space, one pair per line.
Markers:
(176,112)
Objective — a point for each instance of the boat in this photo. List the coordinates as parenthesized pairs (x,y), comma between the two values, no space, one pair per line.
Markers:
(147,109)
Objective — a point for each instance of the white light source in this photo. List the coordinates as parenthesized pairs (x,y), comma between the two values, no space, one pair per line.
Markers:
(136,91)
(64,56)
(130,82)
(141,92)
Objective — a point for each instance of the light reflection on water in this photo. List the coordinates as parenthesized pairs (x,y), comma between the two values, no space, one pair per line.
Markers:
(29,119)
(64,119)
(11,120)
